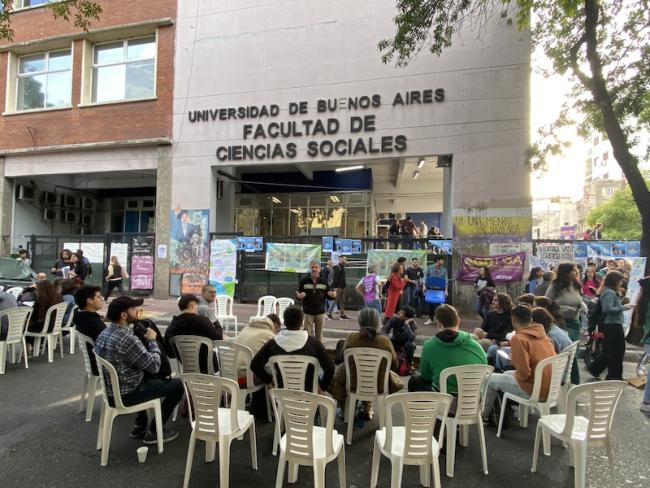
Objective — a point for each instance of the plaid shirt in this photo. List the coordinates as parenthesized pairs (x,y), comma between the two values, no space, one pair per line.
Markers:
(120,347)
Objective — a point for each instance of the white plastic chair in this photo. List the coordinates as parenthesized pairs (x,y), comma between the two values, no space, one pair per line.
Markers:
(58,310)
(70,327)
(109,413)
(188,353)
(15,291)
(17,319)
(471,380)
(90,381)
(582,432)
(265,306)
(558,367)
(305,444)
(413,443)
(367,362)
(293,370)
(566,386)
(213,424)
(223,311)
(282,304)
(231,356)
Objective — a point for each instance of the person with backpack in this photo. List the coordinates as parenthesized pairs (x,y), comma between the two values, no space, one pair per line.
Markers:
(641,320)
(339,284)
(370,289)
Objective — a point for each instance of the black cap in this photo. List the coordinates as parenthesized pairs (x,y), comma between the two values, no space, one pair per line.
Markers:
(121,304)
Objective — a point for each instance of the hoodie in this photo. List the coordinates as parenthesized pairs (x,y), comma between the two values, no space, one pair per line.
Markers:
(529,346)
(257,333)
(445,350)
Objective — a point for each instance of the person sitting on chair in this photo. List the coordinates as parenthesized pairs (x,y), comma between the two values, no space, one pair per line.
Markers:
(400,329)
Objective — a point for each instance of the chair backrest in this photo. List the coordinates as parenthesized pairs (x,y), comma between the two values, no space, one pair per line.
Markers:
(298,409)
(69,322)
(283,303)
(602,397)
(266,305)
(420,410)
(17,319)
(58,310)
(367,363)
(435,283)
(86,342)
(223,306)
(15,291)
(471,379)
(206,393)
(293,371)
(558,366)
(107,371)
(572,350)
(187,349)
(231,356)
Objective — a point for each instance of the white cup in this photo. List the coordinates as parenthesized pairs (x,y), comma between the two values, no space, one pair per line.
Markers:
(142,454)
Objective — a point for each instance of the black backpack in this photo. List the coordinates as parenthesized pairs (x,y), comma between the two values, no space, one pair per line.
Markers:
(595,315)
(384,288)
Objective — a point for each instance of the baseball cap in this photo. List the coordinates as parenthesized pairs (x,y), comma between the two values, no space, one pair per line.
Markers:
(121,304)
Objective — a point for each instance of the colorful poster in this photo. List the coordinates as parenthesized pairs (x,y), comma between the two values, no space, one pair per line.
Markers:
(599,248)
(498,248)
(551,254)
(142,263)
(189,251)
(507,268)
(568,232)
(496,228)
(343,246)
(250,244)
(291,258)
(223,266)
(357,246)
(383,259)
(328,244)
(441,246)
(580,249)
(633,249)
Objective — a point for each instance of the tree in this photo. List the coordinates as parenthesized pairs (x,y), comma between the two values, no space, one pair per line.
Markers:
(80,12)
(619,216)
(602,45)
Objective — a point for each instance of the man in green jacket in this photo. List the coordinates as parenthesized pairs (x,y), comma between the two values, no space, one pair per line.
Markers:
(450,347)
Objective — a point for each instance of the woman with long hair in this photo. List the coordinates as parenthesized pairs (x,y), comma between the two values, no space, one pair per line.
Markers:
(484,286)
(396,284)
(611,355)
(535,278)
(565,291)
(496,323)
(590,282)
(114,276)
(79,270)
(46,296)
(63,265)
(641,318)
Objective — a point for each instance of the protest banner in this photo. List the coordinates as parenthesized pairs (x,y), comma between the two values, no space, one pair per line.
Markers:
(291,258)
(506,268)
(568,232)
(383,259)
(223,265)
(551,254)
(189,253)
(142,263)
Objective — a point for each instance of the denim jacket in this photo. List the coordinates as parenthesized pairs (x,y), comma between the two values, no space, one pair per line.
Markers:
(612,307)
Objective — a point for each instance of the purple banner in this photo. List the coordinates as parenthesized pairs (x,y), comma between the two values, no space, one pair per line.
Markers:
(142,263)
(568,232)
(505,268)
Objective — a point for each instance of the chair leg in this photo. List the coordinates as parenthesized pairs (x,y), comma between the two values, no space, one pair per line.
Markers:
(610,455)
(282,463)
(436,472)
(73,339)
(319,473)
(159,426)
(91,393)
(533,468)
(106,436)
(190,458)
(396,467)
(424,475)
(504,405)
(277,433)
(464,435)
(56,342)
(100,429)
(380,411)
(341,466)
(25,353)
(36,350)
(523,416)
(352,404)
(210,450)
(481,437)
(84,392)
(374,472)
(224,462)
(3,357)
(13,353)
(546,435)
(269,410)
(253,439)
(50,348)
(293,472)
(580,464)
(451,447)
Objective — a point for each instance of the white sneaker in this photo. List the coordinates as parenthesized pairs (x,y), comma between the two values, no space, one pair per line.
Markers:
(645,407)
(429,322)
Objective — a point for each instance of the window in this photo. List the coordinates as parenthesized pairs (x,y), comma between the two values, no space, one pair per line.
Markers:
(32,3)
(44,80)
(124,70)
(133,215)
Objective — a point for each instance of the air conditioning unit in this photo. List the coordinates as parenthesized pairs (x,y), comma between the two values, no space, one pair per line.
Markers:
(51,215)
(88,204)
(25,193)
(71,201)
(50,199)
(87,220)
(70,217)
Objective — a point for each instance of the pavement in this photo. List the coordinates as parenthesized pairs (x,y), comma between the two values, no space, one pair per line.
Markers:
(45,442)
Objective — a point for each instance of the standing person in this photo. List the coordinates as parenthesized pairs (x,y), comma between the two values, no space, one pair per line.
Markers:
(312,291)
(131,359)
(370,289)
(394,229)
(547,279)
(565,292)
(611,355)
(23,257)
(79,270)
(339,284)
(409,230)
(63,265)
(597,233)
(641,319)
(436,270)
(535,279)
(86,261)
(586,235)
(414,285)
(590,282)
(114,277)
(484,286)
(395,289)
(327,273)
(423,229)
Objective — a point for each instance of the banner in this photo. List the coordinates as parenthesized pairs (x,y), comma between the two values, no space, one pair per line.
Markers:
(383,259)
(607,249)
(142,263)
(347,246)
(568,232)
(223,265)
(291,258)
(499,248)
(189,252)
(498,229)
(328,244)
(250,244)
(506,268)
(551,254)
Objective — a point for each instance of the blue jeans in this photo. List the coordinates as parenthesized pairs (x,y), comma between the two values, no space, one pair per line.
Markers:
(375,304)
(330,305)
(504,382)
(413,298)
(171,391)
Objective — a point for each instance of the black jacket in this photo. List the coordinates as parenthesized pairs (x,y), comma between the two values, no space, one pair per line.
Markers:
(315,295)
(91,325)
(339,276)
(497,325)
(193,324)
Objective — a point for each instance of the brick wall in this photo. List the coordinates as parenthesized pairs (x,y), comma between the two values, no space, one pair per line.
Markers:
(102,123)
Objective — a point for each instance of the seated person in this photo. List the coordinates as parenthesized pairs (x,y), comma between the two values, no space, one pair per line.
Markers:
(118,345)
(87,321)
(401,331)
(257,333)
(449,347)
(189,322)
(496,323)
(293,339)
(28,295)
(206,303)
(7,301)
(67,288)
(530,345)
